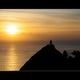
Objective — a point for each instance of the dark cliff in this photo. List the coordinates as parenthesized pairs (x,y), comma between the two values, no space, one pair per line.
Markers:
(49,58)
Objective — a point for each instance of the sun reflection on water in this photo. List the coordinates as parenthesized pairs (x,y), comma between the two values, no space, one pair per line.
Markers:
(12,59)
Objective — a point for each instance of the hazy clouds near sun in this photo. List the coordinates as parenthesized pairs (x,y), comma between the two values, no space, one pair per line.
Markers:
(39,24)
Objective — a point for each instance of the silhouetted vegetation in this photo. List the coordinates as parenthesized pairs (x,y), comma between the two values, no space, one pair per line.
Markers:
(49,58)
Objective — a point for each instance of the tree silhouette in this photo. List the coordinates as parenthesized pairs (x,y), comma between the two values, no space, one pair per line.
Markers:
(65,54)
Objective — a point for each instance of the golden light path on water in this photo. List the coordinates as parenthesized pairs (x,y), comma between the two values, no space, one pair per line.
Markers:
(12,59)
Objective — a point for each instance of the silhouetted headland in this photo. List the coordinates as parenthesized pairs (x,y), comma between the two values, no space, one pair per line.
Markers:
(49,58)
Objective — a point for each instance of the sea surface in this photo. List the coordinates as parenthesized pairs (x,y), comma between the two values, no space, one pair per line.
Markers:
(13,55)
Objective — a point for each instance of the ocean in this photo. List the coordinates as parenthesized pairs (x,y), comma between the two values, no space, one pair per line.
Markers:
(13,55)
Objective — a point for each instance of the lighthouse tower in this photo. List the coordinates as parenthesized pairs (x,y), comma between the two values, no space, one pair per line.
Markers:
(50,42)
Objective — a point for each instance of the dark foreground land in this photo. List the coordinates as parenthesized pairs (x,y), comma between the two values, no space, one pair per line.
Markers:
(49,58)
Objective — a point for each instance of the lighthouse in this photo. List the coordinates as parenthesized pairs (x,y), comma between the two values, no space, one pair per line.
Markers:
(50,42)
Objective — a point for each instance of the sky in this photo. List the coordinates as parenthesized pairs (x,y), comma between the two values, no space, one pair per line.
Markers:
(41,24)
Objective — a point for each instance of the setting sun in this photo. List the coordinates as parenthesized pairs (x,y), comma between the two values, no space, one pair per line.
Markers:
(11,29)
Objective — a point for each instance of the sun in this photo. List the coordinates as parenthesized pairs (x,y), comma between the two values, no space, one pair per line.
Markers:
(11,29)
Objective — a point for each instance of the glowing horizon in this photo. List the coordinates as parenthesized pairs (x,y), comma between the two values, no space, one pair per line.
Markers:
(37,24)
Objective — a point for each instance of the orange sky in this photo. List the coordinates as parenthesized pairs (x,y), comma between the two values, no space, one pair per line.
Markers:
(40,24)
